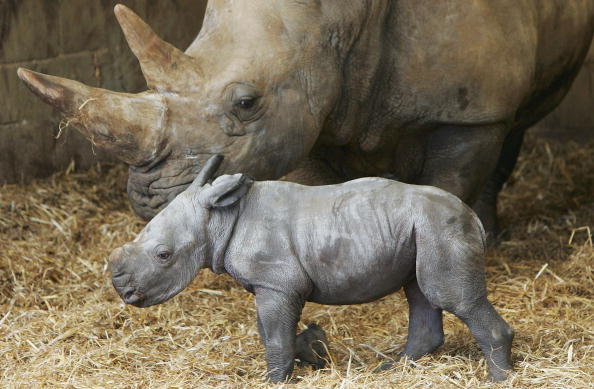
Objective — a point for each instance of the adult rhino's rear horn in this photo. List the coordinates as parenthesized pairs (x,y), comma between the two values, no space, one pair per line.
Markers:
(165,67)
(127,124)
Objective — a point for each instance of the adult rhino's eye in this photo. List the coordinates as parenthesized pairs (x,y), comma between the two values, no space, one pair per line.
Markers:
(246,102)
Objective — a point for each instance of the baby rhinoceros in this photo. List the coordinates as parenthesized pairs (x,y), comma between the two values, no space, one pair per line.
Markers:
(350,243)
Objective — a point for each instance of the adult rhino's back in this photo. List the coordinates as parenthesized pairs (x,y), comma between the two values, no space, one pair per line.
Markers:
(484,61)
(456,86)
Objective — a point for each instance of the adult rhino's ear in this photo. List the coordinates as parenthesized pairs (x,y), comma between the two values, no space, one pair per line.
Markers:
(225,191)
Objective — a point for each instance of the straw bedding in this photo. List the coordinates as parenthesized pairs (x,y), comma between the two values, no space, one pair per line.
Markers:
(62,324)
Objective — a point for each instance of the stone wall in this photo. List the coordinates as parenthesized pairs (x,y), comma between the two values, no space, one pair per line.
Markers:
(77,39)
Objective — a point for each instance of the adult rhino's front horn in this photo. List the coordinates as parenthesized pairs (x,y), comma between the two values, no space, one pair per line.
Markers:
(130,125)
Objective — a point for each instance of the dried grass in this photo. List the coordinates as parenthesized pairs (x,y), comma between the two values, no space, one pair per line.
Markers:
(62,325)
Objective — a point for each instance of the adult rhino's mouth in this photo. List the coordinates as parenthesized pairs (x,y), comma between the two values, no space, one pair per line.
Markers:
(152,187)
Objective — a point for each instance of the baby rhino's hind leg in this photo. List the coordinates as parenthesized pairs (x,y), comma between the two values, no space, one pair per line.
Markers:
(457,284)
(425,326)
(311,347)
(493,334)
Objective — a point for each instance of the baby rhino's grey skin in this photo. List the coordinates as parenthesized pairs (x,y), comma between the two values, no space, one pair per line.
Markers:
(341,244)
(310,347)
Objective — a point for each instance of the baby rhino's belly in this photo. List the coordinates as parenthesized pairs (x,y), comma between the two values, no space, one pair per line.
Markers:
(360,280)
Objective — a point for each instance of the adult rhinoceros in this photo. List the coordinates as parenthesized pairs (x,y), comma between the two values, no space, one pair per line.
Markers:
(428,92)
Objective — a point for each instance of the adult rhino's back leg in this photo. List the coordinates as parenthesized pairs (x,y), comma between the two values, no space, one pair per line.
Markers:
(486,204)
(462,158)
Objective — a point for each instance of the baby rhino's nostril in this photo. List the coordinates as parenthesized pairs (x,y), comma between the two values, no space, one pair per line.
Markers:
(130,296)
(120,280)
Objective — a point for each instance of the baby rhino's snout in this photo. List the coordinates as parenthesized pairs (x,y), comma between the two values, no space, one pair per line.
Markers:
(121,278)
(115,260)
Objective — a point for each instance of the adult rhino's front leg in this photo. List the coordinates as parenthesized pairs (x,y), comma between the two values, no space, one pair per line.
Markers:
(278,315)
(313,170)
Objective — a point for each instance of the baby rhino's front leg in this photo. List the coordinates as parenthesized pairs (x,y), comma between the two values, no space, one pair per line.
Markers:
(278,315)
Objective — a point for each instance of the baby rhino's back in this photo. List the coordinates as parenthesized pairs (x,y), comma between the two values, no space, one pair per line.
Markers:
(357,240)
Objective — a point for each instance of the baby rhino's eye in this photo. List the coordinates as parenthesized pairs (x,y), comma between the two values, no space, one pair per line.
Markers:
(162,253)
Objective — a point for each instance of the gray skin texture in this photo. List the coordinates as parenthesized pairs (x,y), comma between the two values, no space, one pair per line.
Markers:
(348,243)
(310,347)
(428,92)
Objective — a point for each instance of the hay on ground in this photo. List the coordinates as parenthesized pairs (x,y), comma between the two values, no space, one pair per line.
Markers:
(62,324)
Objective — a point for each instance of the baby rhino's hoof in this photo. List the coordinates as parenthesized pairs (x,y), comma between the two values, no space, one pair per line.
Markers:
(383,367)
(311,347)
(498,375)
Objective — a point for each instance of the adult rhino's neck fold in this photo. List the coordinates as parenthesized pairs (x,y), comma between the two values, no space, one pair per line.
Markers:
(361,42)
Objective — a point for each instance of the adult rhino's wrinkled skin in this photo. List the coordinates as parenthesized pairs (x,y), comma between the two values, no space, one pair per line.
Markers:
(428,92)
(348,243)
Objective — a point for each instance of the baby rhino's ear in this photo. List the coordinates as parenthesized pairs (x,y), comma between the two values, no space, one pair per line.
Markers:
(225,190)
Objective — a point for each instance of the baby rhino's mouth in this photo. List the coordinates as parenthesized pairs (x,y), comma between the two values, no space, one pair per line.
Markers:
(129,294)
(132,298)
